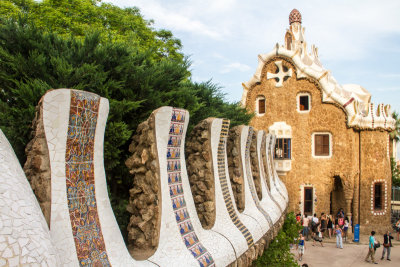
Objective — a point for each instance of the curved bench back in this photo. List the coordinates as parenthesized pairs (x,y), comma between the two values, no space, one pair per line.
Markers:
(24,235)
(82,223)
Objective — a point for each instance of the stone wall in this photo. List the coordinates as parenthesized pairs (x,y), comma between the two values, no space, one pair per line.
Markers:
(235,166)
(145,198)
(37,165)
(200,172)
(255,165)
(375,167)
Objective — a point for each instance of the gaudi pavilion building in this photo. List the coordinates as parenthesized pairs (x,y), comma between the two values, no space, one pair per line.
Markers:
(333,146)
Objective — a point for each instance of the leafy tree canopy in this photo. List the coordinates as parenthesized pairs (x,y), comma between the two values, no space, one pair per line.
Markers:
(80,17)
(93,46)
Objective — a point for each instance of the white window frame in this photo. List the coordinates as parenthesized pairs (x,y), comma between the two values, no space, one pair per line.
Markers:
(298,102)
(257,111)
(313,144)
(385,196)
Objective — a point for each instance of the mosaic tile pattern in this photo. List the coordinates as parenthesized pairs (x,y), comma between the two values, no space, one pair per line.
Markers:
(182,217)
(250,177)
(24,236)
(224,184)
(79,168)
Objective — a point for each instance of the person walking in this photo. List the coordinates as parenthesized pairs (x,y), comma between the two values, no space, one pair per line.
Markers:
(371,248)
(345,229)
(323,223)
(301,247)
(339,240)
(306,222)
(318,236)
(330,226)
(387,244)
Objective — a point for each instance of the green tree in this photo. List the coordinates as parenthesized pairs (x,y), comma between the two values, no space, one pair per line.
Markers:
(278,252)
(395,172)
(80,17)
(33,61)
(395,134)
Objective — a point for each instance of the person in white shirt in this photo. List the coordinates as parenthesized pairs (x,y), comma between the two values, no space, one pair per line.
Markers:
(315,218)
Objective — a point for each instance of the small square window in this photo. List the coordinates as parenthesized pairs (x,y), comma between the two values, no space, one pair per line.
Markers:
(321,145)
(304,103)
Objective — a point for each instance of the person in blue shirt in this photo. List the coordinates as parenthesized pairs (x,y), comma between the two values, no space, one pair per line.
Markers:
(371,248)
(339,240)
(301,247)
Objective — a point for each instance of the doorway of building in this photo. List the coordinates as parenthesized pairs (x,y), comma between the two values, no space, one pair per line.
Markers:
(308,200)
(338,200)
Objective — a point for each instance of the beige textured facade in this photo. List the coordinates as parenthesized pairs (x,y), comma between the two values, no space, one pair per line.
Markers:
(357,163)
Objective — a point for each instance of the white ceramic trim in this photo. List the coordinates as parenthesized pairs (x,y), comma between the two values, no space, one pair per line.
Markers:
(56,107)
(250,206)
(24,236)
(266,201)
(223,222)
(385,200)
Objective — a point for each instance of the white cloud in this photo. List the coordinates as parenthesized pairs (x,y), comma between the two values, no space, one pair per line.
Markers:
(350,35)
(388,89)
(235,66)
(390,75)
(167,16)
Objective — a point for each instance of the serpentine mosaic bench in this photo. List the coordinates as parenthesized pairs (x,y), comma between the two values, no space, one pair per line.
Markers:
(180,214)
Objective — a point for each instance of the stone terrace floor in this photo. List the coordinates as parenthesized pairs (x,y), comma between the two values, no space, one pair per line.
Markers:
(352,254)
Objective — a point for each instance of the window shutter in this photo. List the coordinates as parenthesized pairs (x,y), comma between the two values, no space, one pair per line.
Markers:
(321,146)
(325,150)
(318,144)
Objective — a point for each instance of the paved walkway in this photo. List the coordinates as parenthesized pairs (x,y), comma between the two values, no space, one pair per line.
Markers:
(352,254)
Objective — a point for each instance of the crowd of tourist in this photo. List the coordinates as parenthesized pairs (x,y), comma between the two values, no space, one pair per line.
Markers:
(328,226)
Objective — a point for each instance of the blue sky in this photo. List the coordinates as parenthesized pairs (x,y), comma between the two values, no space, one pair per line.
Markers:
(359,41)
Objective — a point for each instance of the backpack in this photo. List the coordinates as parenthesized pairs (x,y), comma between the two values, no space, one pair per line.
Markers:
(313,226)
